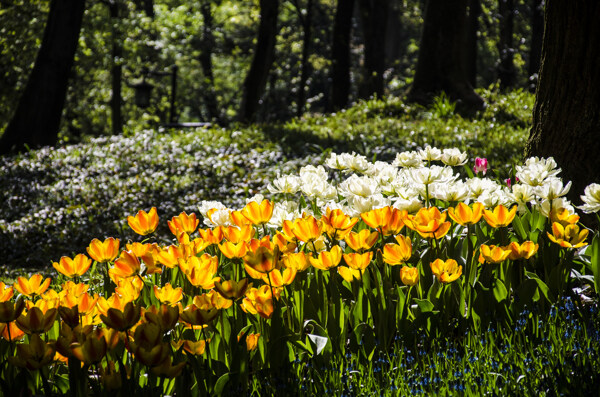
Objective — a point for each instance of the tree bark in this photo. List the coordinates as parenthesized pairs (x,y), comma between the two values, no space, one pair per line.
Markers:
(440,66)
(566,116)
(37,118)
(206,48)
(340,55)
(507,73)
(374,17)
(537,36)
(306,21)
(264,54)
(471,46)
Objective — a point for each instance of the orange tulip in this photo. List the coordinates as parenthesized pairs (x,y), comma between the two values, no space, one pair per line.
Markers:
(277,278)
(200,271)
(231,289)
(263,260)
(105,251)
(363,240)
(348,274)
(238,219)
(194,348)
(234,250)
(500,216)
(75,267)
(395,223)
(563,216)
(168,294)
(251,341)
(258,214)
(327,259)
(237,234)
(337,224)
(36,322)
(377,218)
(465,215)
(522,251)
(429,223)
(398,254)
(6,293)
(11,332)
(296,260)
(409,275)
(493,254)
(122,320)
(358,261)
(33,285)
(10,311)
(183,223)
(211,236)
(144,223)
(567,236)
(307,229)
(446,271)
(128,265)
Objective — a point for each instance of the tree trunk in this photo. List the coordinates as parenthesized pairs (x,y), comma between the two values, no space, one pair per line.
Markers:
(566,116)
(537,36)
(374,17)
(340,55)
(37,118)
(305,67)
(116,98)
(471,46)
(207,45)
(264,54)
(506,67)
(440,66)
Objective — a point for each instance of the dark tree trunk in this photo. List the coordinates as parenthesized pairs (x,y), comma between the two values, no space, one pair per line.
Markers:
(37,118)
(306,21)
(264,54)
(374,17)
(116,71)
(566,116)
(537,36)
(471,46)
(507,73)
(441,56)
(207,45)
(340,55)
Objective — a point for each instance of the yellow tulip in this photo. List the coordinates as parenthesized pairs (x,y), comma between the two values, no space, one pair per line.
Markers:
(296,260)
(500,216)
(395,223)
(567,236)
(165,316)
(397,254)
(263,260)
(168,294)
(212,299)
(493,254)
(465,215)
(358,261)
(522,251)
(307,229)
(348,274)
(563,216)
(409,275)
(327,259)
(33,285)
(363,240)
(196,316)
(234,250)
(446,271)
(11,332)
(211,236)
(144,223)
(75,267)
(183,223)
(377,218)
(33,355)
(194,348)
(258,214)
(231,289)
(276,278)
(337,224)
(128,265)
(92,350)
(6,293)
(104,251)
(122,320)
(429,223)
(10,311)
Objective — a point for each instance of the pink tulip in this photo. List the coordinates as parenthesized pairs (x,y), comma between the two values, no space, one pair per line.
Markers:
(481,165)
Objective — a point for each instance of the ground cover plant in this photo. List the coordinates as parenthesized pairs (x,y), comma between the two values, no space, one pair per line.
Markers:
(351,264)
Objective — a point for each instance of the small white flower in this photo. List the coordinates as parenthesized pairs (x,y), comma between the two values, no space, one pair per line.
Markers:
(454,157)
(591,198)
(310,172)
(430,153)
(552,188)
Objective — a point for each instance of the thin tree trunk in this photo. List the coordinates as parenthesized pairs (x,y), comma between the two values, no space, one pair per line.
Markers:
(374,17)
(37,118)
(340,55)
(264,54)
(566,116)
(507,72)
(305,64)
(207,45)
(440,67)
(471,46)
(537,36)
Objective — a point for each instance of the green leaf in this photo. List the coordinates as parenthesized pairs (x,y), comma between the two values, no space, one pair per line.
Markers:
(424,305)
(500,292)
(518,226)
(220,385)
(594,251)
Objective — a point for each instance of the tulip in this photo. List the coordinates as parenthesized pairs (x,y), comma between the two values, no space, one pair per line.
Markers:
(481,165)
(263,260)
(348,274)
(397,254)
(167,369)
(429,223)
(33,285)
(568,236)
(183,223)
(251,341)
(211,236)
(36,322)
(75,267)
(522,251)
(195,316)
(409,275)
(465,215)
(168,294)
(33,355)
(194,348)
(122,320)
(446,271)
(128,265)
(105,251)
(500,216)
(92,350)
(165,316)
(327,259)
(234,250)
(395,223)
(363,240)
(493,254)
(337,224)
(210,300)
(358,261)
(307,229)
(296,260)
(144,223)
(110,377)
(279,279)
(377,218)
(6,293)
(11,332)
(237,234)
(10,311)
(258,214)
(563,216)
(231,289)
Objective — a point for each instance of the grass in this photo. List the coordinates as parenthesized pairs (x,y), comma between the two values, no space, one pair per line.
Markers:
(56,199)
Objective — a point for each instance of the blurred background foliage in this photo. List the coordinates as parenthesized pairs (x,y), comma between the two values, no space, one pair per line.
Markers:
(156,34)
